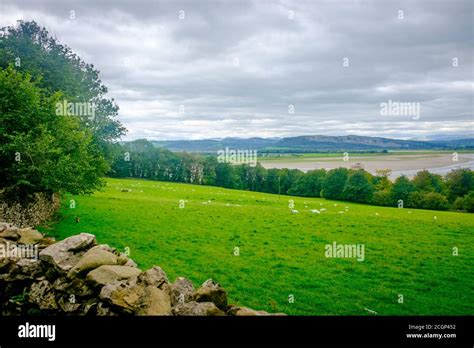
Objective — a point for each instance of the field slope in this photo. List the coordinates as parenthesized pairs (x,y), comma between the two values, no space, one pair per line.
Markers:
(407,252)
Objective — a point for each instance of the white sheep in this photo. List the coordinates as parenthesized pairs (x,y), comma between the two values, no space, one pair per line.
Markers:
(315,211)
(294,211)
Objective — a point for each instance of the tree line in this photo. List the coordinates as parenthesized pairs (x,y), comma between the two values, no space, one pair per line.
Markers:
(455,191)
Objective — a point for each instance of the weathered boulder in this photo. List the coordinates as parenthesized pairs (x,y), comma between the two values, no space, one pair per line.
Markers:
(29,236)
(42,294)
(93,258)
(65,254)
(245,311)
(110,273)
(194,308)
(211,291)
(154,301)
(182,290)
(9,233)
(154,276)
(123,294)
(77,287)
(69,304)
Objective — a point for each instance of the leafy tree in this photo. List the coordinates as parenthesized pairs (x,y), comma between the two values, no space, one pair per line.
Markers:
(401,189)
(434,201)
(458,204)
(39,150)
(460,182)
(468,202)
(333,184)
(358,187)
(56,68)
(428,182)
(309,184)
(382,198)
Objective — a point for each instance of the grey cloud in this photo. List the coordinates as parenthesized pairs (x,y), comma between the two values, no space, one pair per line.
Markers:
(153,62)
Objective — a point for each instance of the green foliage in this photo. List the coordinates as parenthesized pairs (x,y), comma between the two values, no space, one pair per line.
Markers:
(401,189)
(333,184)
(382,198)
(434,201)
(460,182)
(56,68)
(309,184)
(458,204)
(468,202)
(428,182)
(358,187)
(39,150)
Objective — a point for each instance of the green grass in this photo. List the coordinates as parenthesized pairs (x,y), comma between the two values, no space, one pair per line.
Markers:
(283,253)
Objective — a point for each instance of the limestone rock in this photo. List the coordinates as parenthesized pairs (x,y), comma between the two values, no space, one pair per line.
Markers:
(122,294)
(42,294)
(29,236)
(10,233)
(181,291)
(194,308)
(154,276)
(245,311)
(63,254)
(76,287)
(92,259)
(154,302)
(109,273)
(68,304)
(210,291)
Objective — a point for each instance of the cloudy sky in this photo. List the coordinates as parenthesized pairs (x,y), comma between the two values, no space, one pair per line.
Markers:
(211,69)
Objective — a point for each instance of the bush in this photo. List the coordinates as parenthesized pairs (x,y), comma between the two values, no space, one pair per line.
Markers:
(382,198)
(434,201)
(469,202)
(458,204)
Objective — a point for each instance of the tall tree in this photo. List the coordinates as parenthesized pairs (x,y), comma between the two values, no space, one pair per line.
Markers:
(56,68)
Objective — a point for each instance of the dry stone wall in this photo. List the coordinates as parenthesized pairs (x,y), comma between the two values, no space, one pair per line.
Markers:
(77,276)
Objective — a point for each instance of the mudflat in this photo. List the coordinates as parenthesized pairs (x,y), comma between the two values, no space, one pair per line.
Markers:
(398,164)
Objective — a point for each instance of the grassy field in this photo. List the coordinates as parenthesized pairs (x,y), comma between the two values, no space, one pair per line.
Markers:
(407,252)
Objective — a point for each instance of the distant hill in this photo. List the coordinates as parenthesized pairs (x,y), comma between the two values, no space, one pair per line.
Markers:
(313,143)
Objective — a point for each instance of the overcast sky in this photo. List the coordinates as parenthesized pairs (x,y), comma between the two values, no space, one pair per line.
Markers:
(211,69)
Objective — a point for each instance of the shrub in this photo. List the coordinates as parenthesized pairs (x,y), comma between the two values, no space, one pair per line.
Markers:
(469,202)
(382,198)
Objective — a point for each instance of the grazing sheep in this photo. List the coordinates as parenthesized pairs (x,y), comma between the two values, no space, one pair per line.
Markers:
(322,209)
(294,211)
(315,211)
